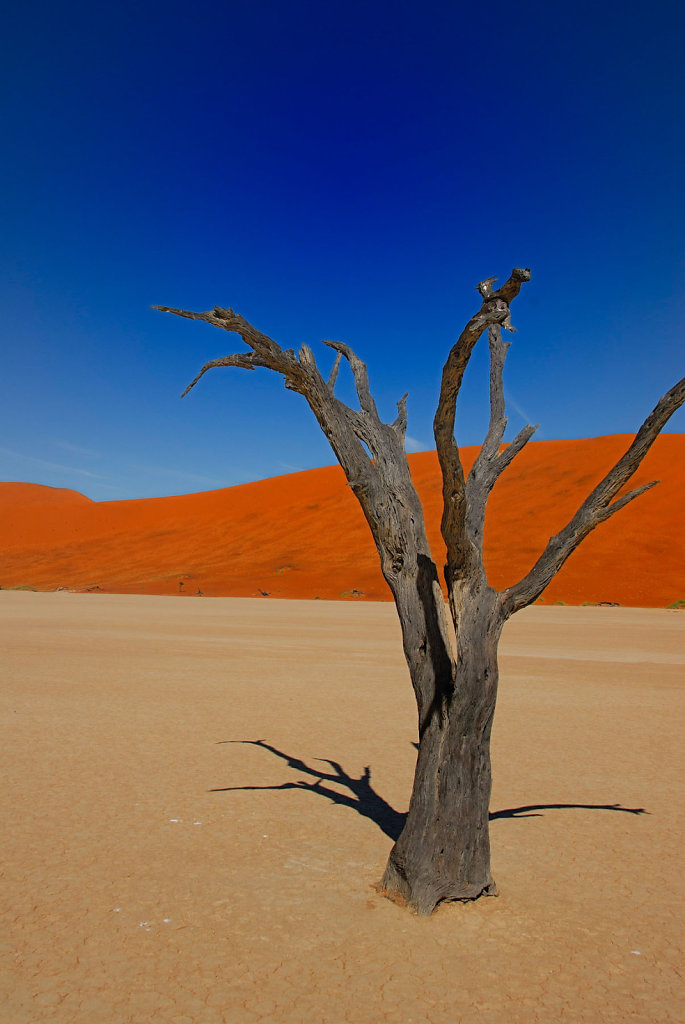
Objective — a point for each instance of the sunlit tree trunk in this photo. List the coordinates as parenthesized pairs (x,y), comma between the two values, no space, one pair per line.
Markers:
(444,849)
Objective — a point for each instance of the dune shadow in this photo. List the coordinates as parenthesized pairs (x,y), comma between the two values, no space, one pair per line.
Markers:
(363,798)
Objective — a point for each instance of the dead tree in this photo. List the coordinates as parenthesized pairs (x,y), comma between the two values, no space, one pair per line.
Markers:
(443,853)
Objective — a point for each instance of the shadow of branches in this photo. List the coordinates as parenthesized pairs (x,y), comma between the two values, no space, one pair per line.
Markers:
(361,797)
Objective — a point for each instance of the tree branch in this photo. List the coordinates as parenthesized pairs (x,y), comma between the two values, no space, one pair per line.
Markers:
(490,462)
(302,375)
(244,360)
(597,507)
(400,424)
(360,374)
(512,286)
(494,311)
(272,355)
(509,453)
(498,421)
(383,486)
(624,500)
(334,372)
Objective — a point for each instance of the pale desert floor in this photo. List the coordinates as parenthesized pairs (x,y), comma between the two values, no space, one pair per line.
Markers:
(150,879)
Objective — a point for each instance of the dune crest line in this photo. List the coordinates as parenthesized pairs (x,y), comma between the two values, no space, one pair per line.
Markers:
(303,536)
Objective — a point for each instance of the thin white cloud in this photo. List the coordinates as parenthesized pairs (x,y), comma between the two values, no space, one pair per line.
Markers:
(45,464)
(510,400)
(75,449)
(413,445)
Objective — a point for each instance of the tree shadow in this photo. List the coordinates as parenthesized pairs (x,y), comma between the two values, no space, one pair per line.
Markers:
(363,798)
(529,810)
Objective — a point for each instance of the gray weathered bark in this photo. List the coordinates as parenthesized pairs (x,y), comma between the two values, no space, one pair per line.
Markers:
(443,851)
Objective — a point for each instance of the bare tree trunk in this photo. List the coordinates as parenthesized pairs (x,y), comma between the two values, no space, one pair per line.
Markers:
(443,852)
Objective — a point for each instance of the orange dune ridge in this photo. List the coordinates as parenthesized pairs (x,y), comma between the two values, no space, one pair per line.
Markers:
(304,536)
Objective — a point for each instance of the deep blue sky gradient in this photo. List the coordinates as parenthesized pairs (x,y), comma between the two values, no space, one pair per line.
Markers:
(331,170)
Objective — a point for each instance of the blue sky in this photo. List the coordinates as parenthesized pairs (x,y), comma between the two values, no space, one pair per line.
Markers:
(331,170)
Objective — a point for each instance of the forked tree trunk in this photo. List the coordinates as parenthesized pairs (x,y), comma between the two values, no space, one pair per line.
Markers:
(443,852)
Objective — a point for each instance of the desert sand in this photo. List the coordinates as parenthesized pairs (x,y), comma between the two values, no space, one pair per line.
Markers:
(304,536)
(160,870)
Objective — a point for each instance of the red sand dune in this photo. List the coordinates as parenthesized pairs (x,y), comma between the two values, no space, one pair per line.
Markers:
(303,535)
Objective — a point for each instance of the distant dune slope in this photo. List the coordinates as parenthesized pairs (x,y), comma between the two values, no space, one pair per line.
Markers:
(303,535)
